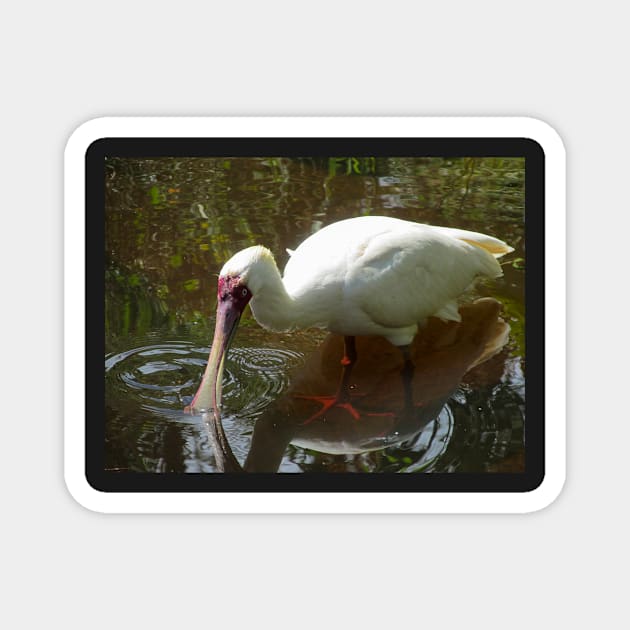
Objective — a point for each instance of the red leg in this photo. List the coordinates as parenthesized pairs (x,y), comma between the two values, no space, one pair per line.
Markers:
(342,398)
(348,361)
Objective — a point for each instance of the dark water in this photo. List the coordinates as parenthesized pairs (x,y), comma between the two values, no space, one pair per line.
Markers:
(170,226)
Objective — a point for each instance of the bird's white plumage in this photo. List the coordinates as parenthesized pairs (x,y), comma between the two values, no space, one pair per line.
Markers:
(368,276)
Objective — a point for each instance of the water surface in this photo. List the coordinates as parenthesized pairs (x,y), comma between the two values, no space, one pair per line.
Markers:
(171,223)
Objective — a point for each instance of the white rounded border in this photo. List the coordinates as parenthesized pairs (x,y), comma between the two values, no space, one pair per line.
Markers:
(297,502)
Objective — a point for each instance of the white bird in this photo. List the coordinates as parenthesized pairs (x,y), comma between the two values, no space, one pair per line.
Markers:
(361,276)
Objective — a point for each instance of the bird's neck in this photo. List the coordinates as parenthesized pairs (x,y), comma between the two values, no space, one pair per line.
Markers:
(271,305)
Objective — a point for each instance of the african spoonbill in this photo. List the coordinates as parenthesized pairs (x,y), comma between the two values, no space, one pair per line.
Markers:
(367,275)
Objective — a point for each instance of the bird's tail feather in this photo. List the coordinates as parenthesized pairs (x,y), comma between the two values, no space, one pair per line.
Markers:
(491,244)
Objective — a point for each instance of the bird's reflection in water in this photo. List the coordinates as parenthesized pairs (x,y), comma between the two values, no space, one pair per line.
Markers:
(380,414)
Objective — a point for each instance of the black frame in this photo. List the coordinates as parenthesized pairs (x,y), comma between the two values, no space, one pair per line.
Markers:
(109,481)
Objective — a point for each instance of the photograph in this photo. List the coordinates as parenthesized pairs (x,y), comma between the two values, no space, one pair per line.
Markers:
(326,314)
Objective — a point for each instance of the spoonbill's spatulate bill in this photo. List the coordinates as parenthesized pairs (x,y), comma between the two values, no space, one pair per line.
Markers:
(361,276)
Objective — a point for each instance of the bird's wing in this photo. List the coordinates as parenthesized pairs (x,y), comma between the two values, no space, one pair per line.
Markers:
(402,276)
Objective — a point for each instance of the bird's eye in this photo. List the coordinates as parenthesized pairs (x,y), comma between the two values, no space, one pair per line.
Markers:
(244,292)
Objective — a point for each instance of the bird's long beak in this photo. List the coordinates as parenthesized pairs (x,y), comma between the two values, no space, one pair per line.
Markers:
(207,400)
(208,396)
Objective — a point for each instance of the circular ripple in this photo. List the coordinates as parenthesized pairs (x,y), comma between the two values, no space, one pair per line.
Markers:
(157,376)
(257,376)
(164,377)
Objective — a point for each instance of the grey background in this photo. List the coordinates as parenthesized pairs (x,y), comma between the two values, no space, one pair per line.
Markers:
(66,62)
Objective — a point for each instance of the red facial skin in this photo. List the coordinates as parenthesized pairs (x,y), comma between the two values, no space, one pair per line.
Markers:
(230,288)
